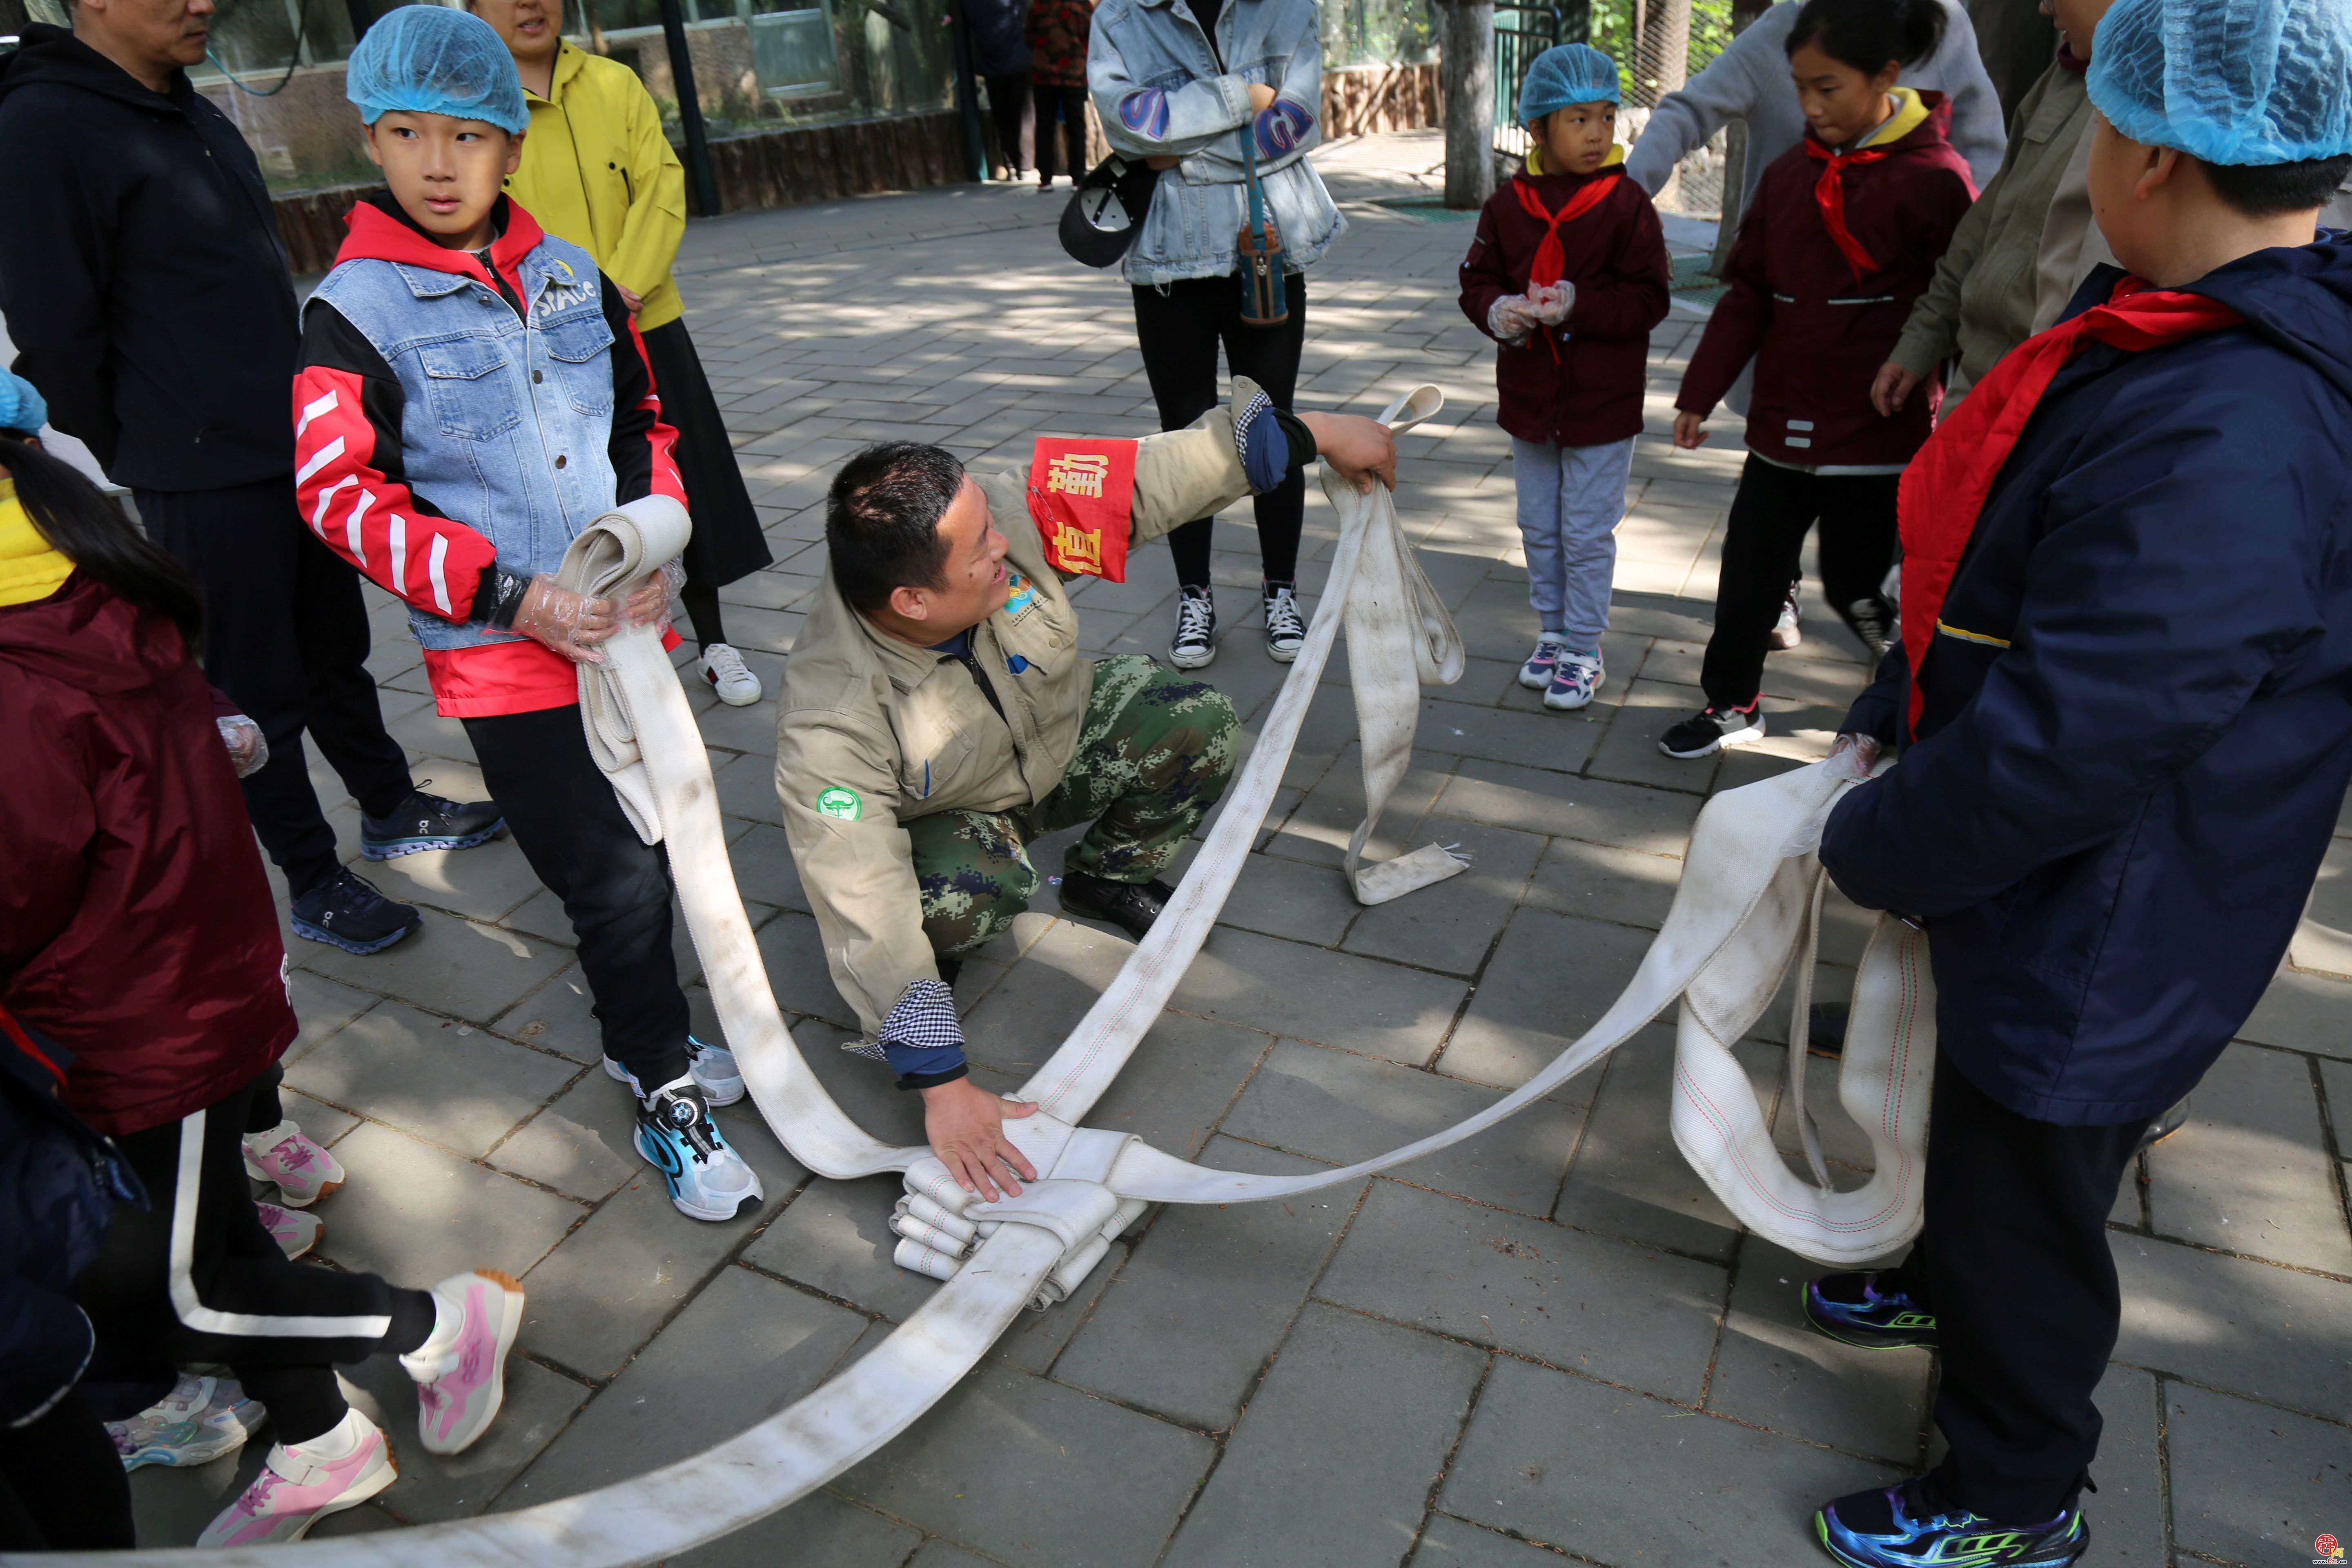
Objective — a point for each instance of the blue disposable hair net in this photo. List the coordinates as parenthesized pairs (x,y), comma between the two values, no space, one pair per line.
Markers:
(21,408)
(431,60)
(1566,74)
(2228,82)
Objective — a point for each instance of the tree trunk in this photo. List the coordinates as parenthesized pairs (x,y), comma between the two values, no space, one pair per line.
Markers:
(1469,76)
(1735,155)
(1664,52)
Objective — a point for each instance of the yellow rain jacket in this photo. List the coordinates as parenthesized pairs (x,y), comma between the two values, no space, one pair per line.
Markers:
(597,171)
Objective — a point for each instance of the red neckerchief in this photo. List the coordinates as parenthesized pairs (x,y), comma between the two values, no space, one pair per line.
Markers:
(1551,256)
(1943,490)
(1829,194)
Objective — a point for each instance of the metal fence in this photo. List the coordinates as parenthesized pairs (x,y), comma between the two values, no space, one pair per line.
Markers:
(1658,45)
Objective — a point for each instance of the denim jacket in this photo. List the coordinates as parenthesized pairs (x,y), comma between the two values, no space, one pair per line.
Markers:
(1159,89)
(505,420)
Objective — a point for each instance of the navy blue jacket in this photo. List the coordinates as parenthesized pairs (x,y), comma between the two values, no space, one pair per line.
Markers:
(2128,770)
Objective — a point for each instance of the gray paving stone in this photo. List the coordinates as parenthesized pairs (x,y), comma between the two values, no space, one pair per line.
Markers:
(556,1017)
(1331,1105)
(740,1352)
(820,1531)
(320,1121)
(416,1215)
(1628,751)
(417,1073)
(1593,810)
(970,1471)
(323,1006)
(2251,1483)
(1332,1466)
(434,1486)
(1452,926)
(1183,1077)
(1618,1479)
(835,1237)
(1772,1370)
(2250,1172)
(1543,739)
(1207,1296)
(1552,977)
(2127,1513)
(2259,1330)
(1288,898)
(481,883)
(794,955)
(1608,1309)
(763,866)
(1316,831)
(1450,1544)
(1604,883)
(1312,994)
(2304,1013)
(580,1145)
(472,971)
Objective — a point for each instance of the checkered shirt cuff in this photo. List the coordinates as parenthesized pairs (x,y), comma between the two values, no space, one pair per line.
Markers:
(922,1038)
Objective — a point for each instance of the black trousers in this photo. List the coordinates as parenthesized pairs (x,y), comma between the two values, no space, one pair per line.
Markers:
(616,888)
(286,636)
(62,1486)
(2013,1262)
(1008,95)
(1179,332)
(194,1277)
(1067,105)
(1762,542)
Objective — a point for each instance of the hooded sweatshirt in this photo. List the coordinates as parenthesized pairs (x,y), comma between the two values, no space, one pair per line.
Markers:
(1818,324)
(2136,728)
(136,924)
(141,272)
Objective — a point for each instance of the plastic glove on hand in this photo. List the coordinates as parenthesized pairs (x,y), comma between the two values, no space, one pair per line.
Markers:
(1853,755)
(572,623)
(653,602)
(1508,319)
(1551,303)
(249,748)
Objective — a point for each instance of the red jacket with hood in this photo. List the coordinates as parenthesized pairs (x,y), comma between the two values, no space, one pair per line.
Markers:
(136,924)
(1817,331)
(1590,392)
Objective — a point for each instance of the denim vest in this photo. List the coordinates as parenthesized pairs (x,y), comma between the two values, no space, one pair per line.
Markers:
(507,421)
(1157,46)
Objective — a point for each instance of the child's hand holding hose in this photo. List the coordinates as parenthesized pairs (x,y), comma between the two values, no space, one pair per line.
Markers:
(572,623)
(652,602)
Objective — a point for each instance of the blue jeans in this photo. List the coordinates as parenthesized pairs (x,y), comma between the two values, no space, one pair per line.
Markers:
(1571,500)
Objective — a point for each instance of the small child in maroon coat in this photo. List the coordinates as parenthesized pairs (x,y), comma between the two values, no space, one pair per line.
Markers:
(1842,235)
(1568,274)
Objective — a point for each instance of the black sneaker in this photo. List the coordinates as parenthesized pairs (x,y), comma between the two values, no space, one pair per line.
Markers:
(1852,1309)
(1710,730)
(1285,628)
(346,911)
(1909,1525)
(1130,906)
(1871,620)
(425,822)
(1195,642)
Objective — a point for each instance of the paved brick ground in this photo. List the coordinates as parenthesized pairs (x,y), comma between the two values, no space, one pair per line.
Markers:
(1548,1342)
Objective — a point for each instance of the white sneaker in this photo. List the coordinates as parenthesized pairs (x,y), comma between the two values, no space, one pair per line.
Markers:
(1536,673)
(297,1488)
(201,1419)
(303,1170)
(724,668)
(712,1067)
(1787,631)
(294,1232)
(461,1369)
(1574,680)
(707,1179)
(1194,644)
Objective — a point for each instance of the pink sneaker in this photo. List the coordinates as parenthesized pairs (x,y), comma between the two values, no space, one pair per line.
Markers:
(294,1232)
(304,1172)
(296,1489)
(461,1380)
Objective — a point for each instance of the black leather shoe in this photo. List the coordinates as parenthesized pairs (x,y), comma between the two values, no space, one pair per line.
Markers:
(1130,906)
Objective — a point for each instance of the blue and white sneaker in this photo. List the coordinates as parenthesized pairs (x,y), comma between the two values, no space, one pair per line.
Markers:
(1574,679)
(1536,673)
(1871,1311)
(423,822)
(707,1179)
(713,1066)
(1905,1526)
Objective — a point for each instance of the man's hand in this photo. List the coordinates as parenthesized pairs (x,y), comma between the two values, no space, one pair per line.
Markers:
(965,1126)
(1361,449)
(1261,97)
(1892,385)
(1688,436)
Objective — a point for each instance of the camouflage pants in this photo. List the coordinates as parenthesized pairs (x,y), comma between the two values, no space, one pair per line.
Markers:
(1155,751)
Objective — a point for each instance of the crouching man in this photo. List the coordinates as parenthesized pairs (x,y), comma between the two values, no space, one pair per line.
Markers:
(938,714)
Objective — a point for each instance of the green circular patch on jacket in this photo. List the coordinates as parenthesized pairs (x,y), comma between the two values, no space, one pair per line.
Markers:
(841,802)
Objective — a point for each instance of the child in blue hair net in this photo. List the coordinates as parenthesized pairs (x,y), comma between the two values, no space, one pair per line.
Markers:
(473,393)
(1568,274)
(2124,692)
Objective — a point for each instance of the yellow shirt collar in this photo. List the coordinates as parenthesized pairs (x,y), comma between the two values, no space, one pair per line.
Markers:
(30,569)
(1910,113)
(1534,158)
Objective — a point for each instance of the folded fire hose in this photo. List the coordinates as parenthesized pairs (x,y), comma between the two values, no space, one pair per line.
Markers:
(1747,911)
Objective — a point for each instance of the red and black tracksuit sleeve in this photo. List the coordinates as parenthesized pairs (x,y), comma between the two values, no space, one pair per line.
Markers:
(351,480)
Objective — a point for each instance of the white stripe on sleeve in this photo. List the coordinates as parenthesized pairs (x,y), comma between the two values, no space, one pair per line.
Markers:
(325,497)
(319,459)
(399,532)
(352,526)
(315,407)
(432,567)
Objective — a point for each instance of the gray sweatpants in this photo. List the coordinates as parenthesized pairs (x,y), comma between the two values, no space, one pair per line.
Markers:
(1571,501)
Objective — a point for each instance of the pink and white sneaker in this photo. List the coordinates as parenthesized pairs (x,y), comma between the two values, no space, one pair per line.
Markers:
(304,1172)
(294,1232)
(461,1370)
(297,1488)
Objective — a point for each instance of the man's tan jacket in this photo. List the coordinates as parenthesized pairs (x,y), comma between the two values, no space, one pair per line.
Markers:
(1982,304)
(875,732)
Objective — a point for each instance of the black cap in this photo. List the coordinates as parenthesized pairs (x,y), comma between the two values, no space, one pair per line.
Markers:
(1107,210)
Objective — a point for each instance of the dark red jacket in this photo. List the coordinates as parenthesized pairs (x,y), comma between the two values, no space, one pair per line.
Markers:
(1616,256)
(136,924)
(1818,335)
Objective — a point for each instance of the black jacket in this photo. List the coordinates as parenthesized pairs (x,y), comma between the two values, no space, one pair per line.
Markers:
(142,273)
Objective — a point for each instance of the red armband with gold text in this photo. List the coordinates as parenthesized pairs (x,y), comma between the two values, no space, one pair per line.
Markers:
(1082,497)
